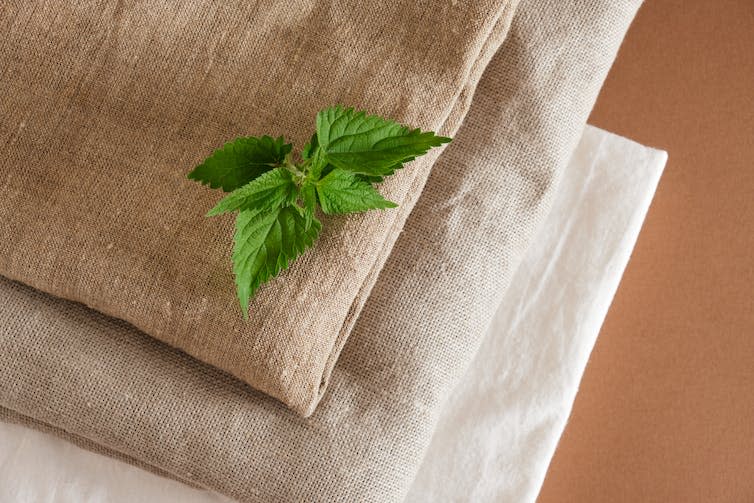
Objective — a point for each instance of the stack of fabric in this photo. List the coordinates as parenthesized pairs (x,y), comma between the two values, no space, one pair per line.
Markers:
(119,329)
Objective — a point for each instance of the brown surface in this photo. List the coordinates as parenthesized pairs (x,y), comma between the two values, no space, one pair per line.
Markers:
(666,408)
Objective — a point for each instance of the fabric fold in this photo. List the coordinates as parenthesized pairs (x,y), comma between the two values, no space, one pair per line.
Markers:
(106,107)
(103,381)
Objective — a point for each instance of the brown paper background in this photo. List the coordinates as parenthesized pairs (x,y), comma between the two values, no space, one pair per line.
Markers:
(665,412)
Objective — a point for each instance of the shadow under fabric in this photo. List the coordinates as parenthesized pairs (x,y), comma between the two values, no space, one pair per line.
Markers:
(105,383)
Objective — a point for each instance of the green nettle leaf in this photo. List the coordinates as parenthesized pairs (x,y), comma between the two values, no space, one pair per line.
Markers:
(368,144)
(277,199)
(344,192)
(265,242)
(318,166)
(240,161)
(268,191)
(310,147)
(309,198)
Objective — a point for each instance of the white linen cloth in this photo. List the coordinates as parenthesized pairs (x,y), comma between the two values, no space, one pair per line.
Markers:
(503,422)
(500,428)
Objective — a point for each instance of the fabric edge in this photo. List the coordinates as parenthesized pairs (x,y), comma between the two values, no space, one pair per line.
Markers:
(631,235)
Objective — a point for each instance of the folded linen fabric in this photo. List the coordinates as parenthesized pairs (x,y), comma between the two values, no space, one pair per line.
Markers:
(502,423)
(105,107)
(102,381)
(499,428)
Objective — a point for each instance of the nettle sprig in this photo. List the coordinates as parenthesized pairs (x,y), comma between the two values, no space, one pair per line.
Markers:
(276,194)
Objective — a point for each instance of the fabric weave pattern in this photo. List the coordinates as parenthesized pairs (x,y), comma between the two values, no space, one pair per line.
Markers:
(106,106)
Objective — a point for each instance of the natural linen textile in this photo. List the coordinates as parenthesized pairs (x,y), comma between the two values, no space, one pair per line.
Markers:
(498,430)
(106,106)
(103,382)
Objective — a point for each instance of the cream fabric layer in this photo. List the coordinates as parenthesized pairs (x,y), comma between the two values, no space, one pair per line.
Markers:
(103,382)
(494,440)
(501,425)
(106,106)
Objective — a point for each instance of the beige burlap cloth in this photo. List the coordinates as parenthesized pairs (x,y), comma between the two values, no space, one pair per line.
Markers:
(106,106)
(117,390)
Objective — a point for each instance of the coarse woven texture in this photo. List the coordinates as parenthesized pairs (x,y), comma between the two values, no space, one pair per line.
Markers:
(103,381)
(106,106)
(498,431)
